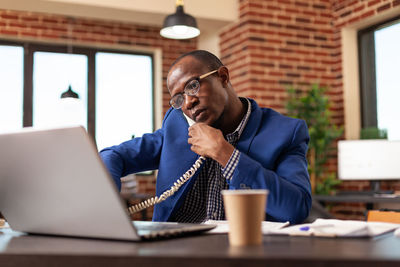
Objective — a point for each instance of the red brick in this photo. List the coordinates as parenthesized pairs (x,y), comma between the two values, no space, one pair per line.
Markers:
(30,19)
(291,10)
(8,32)
(16,24)
(345,14)
(49,36)
(303,20)
(256,6)
(49,20)
(322,22)
(294,59)
(285,34)
(373,2)
(38,27)
(270,7)
(354,19)
(9,16)
(383,7)
(29,33)
(317,6)
(281,17)
(326,15)
(275,41)
(310,13)
(283,66)
(302,4)
(275,73)
(303,36)
(367,14)
(359,8)
(320,53)
(340,25)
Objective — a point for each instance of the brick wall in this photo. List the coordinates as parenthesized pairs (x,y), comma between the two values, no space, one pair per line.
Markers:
(89,32)
(281,43)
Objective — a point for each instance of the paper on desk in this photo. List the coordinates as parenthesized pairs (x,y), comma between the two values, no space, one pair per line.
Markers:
(338,228)
(223,227)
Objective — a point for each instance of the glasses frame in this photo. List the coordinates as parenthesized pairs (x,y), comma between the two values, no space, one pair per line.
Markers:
(185,91)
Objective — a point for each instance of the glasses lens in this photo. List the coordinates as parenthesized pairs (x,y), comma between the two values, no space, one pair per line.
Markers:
(176,101)
(192,87)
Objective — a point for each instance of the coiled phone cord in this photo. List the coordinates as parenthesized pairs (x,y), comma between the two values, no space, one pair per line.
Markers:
(181,181)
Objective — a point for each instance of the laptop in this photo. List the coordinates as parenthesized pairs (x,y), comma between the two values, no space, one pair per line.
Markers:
(53,182)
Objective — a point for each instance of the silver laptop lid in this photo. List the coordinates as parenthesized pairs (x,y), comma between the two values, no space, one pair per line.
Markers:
(53,182)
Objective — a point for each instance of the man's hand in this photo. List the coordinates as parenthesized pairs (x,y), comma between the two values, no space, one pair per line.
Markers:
(209,142)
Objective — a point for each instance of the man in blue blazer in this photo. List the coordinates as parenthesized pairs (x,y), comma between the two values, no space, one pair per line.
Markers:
(244,146)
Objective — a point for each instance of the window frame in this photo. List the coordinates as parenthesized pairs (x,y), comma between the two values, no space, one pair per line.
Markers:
(31,47)
(367,72)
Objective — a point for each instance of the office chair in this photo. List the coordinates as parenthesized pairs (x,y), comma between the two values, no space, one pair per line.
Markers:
(318,211)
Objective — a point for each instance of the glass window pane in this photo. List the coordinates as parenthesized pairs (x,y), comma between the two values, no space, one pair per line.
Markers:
(52,74)
(11,87)
(387,52)
(124,97)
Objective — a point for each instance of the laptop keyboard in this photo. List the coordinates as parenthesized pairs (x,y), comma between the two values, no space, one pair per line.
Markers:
(159,227)
(150,230)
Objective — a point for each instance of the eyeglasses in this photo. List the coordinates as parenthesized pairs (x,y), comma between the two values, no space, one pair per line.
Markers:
(191,89)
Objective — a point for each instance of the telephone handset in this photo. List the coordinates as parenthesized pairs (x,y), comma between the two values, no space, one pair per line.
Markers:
(181,181)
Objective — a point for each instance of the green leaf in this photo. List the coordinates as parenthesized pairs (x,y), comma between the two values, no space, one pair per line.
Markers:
(313,107)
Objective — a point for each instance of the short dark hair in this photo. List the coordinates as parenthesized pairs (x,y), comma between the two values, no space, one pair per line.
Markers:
(209,60)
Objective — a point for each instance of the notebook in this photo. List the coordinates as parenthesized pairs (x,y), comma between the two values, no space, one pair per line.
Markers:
(338,228)
(53,182)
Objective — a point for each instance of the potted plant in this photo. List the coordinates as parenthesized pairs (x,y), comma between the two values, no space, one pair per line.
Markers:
(313,107)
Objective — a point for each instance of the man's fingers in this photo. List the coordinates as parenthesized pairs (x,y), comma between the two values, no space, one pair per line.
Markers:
(191,131)
(197,150)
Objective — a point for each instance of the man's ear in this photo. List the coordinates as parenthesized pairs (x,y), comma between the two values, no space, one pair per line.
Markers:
(224,75)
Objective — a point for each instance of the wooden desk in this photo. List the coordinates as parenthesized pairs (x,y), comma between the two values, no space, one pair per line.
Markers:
(204,250)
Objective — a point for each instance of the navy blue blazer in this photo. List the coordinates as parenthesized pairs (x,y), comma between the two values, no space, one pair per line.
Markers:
(272,156)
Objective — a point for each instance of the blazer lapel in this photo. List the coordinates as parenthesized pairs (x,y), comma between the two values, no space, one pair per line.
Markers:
(251,128)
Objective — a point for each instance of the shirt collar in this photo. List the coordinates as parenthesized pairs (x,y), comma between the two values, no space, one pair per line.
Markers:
(244,121)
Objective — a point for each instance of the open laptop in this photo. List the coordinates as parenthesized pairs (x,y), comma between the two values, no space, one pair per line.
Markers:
(54,182)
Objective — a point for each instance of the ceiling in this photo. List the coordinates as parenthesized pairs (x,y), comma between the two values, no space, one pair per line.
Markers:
(212,15)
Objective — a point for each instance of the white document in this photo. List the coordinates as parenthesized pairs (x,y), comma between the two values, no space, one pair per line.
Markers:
(223,227)
(338,228)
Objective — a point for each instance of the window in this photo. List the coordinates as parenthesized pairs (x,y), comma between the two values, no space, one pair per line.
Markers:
(380,77)
(115,89)
(123,99)
(11,87)
(49,82)
(387,59)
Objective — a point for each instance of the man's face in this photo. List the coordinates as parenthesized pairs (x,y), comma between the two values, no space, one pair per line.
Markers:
(209,103)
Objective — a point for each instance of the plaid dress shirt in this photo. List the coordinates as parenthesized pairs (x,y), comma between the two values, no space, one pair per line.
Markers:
(204,201)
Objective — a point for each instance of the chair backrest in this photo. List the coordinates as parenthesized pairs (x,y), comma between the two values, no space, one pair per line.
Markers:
(383,216)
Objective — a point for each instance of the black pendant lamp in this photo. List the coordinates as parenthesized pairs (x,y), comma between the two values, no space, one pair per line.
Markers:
(179,25)
(69,93)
